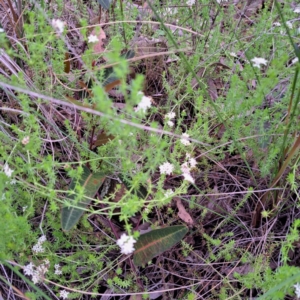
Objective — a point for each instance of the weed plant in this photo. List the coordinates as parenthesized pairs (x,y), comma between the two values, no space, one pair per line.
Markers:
(220,133)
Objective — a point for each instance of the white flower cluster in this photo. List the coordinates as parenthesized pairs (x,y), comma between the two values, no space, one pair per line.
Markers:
(93,39)
(297,290)
(126,242)
(58,271)
(58,25)
(186,168)
(38,272)
(190,2)
(64,294)
(257,61)
(7,170)
(184,140)
(145,103)
(38,247)
(166,168)
(169,117)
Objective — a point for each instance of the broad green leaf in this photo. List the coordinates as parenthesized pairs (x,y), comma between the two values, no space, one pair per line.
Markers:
(156,242)
(91,183)
(104,3)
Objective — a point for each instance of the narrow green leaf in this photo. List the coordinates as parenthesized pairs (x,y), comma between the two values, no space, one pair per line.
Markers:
(156,242)
(91,183)
(104,3)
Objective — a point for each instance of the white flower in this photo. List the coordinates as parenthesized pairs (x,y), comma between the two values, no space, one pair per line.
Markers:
(289,24)
(144,104)
(38,274)
(7,170)
(168,193)
(25,140)
(294,60)
(166,168)
(24,208)
(276,24)
(192,162)
(58,25)
(13,181)
(28,270)
(93,39)
(257,61)
(233,54)
(42,239)
(170,123)
(1,30)
(297,9)
(170,115)
(126,242)
(184,140)
(190,2)
(297,290)
(188,177)
(63,294)
(38,248)
(58,271)
(185,168)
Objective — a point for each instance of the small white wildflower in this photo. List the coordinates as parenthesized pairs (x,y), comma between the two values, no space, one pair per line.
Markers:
(7,170)
(168,193)
(188,177)
(297,290)
(190,2)
(126,242)
(192,162)
(24,208)
(170,123)
(1,30)
(93,39)
(38,248)
(28,269)
(25,140)
(289,24)
(35,278)
(295,60)
(64,294)
(46,261)
(171,10)
(170,115)
(276,24)
(185,168)
(42,239)
(58,25)
(144,104)
(297,9)
(233,54)
(257,61)
(58,271)
(13,181)
(184,140)
(166,168)
(42,270)
(130,134)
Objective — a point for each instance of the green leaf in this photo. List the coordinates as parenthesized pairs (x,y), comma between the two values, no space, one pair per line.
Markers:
(91,182)
(156,242)
(104,3)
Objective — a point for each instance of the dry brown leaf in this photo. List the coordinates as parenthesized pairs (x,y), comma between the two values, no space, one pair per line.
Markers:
(182,213)
(100,34)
